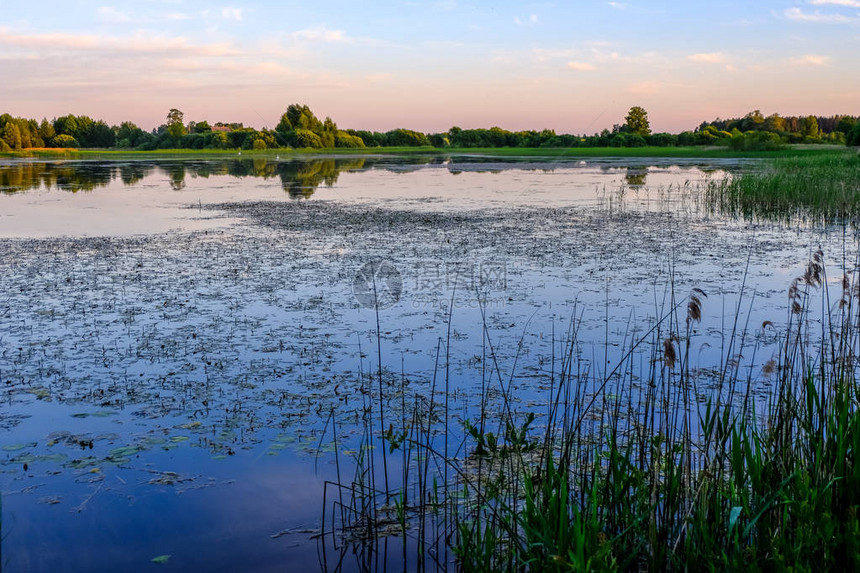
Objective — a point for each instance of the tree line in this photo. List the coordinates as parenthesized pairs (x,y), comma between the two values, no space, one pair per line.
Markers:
(299,127)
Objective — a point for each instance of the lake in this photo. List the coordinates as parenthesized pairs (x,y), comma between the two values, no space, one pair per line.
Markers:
(190,349)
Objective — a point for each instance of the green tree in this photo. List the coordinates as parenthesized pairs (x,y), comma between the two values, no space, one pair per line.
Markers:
(301,117)
(809,127)
(202,127)
(753,121)
(774,123)
(284,125)
(12,135)
(853,137)
(846,124)
(129,135)
(637,121)
(175,125)
(67,125)
(46,131)
(100,134)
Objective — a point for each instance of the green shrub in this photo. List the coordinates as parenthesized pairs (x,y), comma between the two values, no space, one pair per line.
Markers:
(64,140)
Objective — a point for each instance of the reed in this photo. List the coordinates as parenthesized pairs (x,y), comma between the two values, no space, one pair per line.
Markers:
(820,188)
(613,478)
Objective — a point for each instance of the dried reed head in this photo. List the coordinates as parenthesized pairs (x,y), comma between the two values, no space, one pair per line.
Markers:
(669,355)
(794,290)
(815,269)
(694,306)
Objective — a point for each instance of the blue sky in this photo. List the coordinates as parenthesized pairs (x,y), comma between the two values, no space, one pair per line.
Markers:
(572,66)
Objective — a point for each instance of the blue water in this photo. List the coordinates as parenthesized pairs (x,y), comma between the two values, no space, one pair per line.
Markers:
(176,338)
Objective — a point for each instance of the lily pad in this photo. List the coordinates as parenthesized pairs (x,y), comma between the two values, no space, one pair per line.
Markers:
(161,559)
(18,447)
(103,414)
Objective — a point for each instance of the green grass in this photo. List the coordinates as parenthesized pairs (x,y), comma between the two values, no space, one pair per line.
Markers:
(824,187)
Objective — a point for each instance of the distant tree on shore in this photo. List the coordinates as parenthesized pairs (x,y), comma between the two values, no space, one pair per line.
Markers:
(299,127)
(175,125)
(637,121)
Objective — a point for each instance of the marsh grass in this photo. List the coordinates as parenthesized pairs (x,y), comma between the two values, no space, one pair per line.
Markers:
(619,475)
(822,188)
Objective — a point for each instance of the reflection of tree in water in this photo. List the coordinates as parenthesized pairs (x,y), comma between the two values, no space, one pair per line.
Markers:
(301,179)
(65,176)
(176,175)
(636,177)
(133,173)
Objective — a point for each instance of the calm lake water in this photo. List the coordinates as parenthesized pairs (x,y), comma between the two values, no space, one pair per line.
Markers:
(182,340)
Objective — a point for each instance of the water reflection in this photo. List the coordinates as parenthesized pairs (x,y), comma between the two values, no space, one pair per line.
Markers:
(636,176)
(299,178)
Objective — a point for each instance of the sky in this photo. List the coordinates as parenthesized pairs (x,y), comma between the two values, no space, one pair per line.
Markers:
(572,66)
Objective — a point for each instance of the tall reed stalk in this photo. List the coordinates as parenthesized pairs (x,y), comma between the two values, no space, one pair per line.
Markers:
(638,468)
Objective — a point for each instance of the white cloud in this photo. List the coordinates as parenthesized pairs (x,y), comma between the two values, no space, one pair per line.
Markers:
(708,58)
(137,44)
(320,34)
(110,15)
(799,15)
(850,3)
(648,87)
(229,13)
(618,5)
(581,66)
(811,60)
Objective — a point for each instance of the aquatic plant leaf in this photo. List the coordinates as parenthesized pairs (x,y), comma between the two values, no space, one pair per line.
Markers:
(125,451)
(161,559)
(734,515)
(18,447)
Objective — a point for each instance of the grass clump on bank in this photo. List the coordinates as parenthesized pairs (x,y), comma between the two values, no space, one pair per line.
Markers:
(637,469)
(824,187)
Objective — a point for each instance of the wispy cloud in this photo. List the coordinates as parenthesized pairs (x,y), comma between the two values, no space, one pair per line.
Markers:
(111,15)
(799,15)
(648,87)
(708,58)
(229,13)
(531,20)
(320,34)
(849,3)
(137,44)
(811,60)
(581,66)
(618,5)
